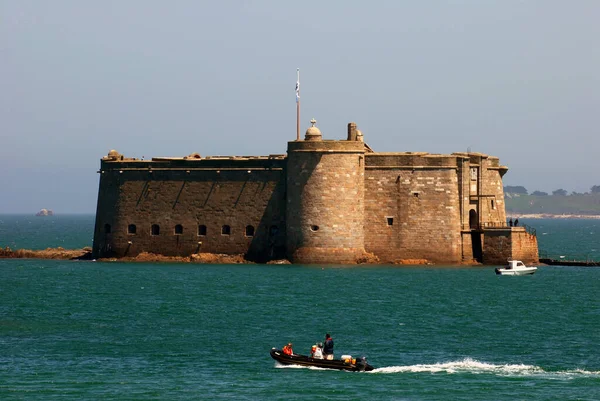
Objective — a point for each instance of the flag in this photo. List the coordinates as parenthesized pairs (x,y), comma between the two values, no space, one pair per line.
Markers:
(298,87)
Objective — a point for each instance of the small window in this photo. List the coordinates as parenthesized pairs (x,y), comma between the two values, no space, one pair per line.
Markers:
(493,205)
(155,229)
(225,230)
(131,229)
(249,231)
(390,221)
(202,230)
(178,229)
(416,194)
(107,229)
(314,228)
(473,173)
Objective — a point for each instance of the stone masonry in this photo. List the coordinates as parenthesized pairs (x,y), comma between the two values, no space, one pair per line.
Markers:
(326,201)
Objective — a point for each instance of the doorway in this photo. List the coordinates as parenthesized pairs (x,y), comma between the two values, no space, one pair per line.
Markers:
(477,248)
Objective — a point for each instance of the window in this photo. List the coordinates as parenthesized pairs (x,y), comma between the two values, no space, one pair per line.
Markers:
(107,229)
(390,221)
(314,228)
(131,229)
(493,205)
(225,230)
(178,229)
(155,229)
(202,230)
(273,230)
(249,231)
(473,173)
(416,194)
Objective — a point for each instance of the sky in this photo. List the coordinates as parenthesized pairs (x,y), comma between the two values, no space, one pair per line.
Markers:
(519,80)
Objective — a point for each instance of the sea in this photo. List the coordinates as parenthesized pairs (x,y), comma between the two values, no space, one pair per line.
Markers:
(88,330)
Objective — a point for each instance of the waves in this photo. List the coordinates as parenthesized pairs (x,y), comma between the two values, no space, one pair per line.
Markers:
(472,366)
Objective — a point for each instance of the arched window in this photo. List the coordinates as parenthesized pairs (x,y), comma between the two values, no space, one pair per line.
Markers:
(249,231)
(131,229)
(107,229)
(225,230)
(155,229)
(178,229)
(202,230)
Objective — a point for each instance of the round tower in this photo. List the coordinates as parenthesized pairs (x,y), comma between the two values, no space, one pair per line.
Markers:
(325,199)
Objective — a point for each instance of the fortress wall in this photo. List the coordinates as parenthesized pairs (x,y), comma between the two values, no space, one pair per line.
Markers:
(236,194)
(409,159)
(492,186)
(106,213)
(327,202)
(524,246)
(501,245)
(422,198)
(497,246)
(484,189)
(325,197)
(383,202)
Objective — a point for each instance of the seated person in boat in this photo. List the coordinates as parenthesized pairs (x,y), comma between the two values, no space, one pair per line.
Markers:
(317,351)
(287,349)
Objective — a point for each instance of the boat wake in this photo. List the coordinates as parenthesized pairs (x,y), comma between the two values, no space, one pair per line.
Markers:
(472,366)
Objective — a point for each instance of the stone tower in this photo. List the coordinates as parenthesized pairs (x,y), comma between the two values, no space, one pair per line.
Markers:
(325,198)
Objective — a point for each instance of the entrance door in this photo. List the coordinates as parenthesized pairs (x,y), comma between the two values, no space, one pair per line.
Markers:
(477,248)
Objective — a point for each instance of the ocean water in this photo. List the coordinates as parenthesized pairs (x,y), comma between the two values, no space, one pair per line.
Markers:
(19,231)
(82,330)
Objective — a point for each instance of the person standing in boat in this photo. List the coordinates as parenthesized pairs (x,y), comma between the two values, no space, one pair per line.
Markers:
(287,349)
(328,347)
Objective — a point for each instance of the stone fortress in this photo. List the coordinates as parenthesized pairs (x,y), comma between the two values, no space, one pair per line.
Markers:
(326,201)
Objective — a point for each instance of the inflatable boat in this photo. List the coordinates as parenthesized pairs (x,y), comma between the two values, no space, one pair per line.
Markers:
(346,363)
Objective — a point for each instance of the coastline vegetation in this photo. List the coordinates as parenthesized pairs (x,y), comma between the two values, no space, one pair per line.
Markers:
(519,202)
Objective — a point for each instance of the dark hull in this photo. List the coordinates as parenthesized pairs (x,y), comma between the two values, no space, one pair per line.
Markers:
(303,360)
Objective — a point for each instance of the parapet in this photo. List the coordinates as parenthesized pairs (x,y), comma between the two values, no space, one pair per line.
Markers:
(409,160)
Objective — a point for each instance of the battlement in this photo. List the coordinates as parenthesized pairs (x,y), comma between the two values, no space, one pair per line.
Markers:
(192,163)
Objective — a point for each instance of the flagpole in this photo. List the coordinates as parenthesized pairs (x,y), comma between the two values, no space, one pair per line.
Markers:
(298,105)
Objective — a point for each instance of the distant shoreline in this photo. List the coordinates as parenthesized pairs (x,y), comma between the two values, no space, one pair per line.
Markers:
(551,216)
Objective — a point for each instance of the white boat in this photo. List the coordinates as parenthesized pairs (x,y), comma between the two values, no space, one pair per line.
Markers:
(516,268)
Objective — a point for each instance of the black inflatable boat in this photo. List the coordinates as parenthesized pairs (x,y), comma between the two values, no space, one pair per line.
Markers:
(351,364)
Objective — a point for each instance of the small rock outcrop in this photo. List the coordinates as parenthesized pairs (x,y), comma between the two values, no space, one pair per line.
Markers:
(48,253)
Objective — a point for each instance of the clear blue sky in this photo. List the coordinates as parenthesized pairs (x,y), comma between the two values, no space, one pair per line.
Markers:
(514,79)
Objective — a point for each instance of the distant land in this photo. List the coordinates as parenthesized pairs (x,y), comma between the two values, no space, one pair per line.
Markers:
(550,216)
(557,205)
